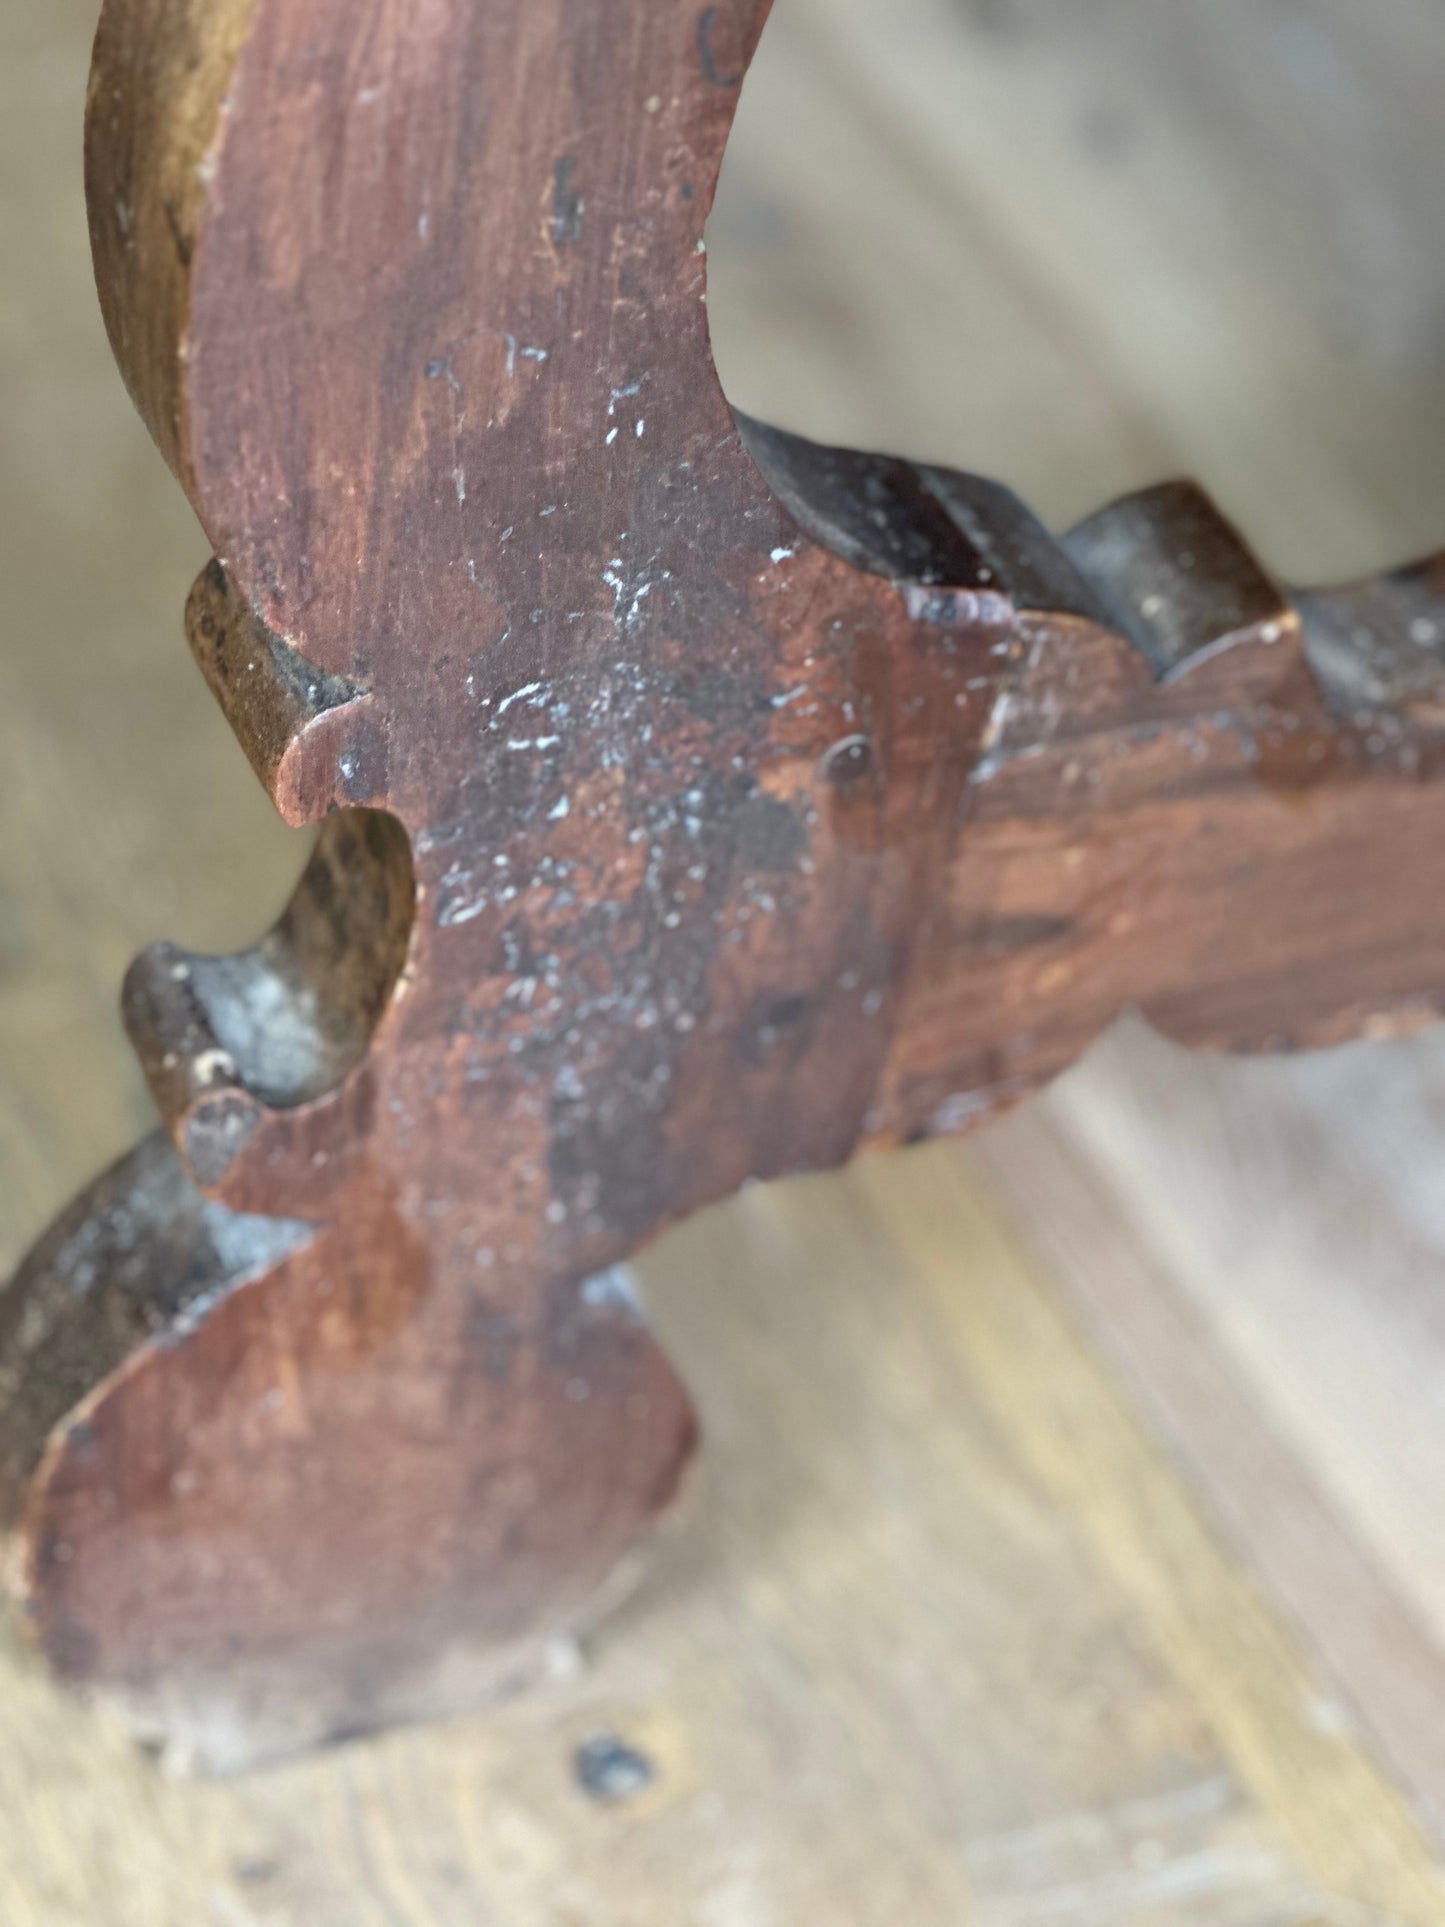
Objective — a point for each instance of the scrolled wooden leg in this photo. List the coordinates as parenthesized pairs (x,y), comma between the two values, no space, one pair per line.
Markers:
(696,805)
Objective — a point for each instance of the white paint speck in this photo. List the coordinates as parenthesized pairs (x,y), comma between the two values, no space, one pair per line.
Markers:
(463,913)
(527,689)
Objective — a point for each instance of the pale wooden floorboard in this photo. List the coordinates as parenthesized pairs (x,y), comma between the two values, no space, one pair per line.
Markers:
(1275,1494)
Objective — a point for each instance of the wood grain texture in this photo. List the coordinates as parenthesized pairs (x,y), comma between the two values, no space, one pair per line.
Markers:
(1329,1484)
(482,1820)
(1211,1627)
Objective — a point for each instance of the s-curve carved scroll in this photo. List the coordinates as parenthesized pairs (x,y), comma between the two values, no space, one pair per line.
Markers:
(696,805)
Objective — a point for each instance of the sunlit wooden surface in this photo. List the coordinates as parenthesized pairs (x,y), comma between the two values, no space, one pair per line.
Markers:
(1068,1547)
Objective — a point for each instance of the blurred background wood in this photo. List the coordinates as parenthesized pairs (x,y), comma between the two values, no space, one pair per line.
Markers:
(1068,1549)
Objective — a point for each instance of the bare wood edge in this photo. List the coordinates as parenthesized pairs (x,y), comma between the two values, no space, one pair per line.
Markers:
(155,109)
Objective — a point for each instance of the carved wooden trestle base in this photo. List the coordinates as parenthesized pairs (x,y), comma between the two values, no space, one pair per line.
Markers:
(696,805)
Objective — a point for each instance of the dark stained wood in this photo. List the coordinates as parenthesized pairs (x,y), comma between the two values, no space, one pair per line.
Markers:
(698,805)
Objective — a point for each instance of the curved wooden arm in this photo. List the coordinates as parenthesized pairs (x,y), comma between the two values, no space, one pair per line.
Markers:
(699,805)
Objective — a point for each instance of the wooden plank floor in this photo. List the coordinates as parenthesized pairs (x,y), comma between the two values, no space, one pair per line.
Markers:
(1068,1549)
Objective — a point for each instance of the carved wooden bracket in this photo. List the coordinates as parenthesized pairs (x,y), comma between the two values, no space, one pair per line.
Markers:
(697,805)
